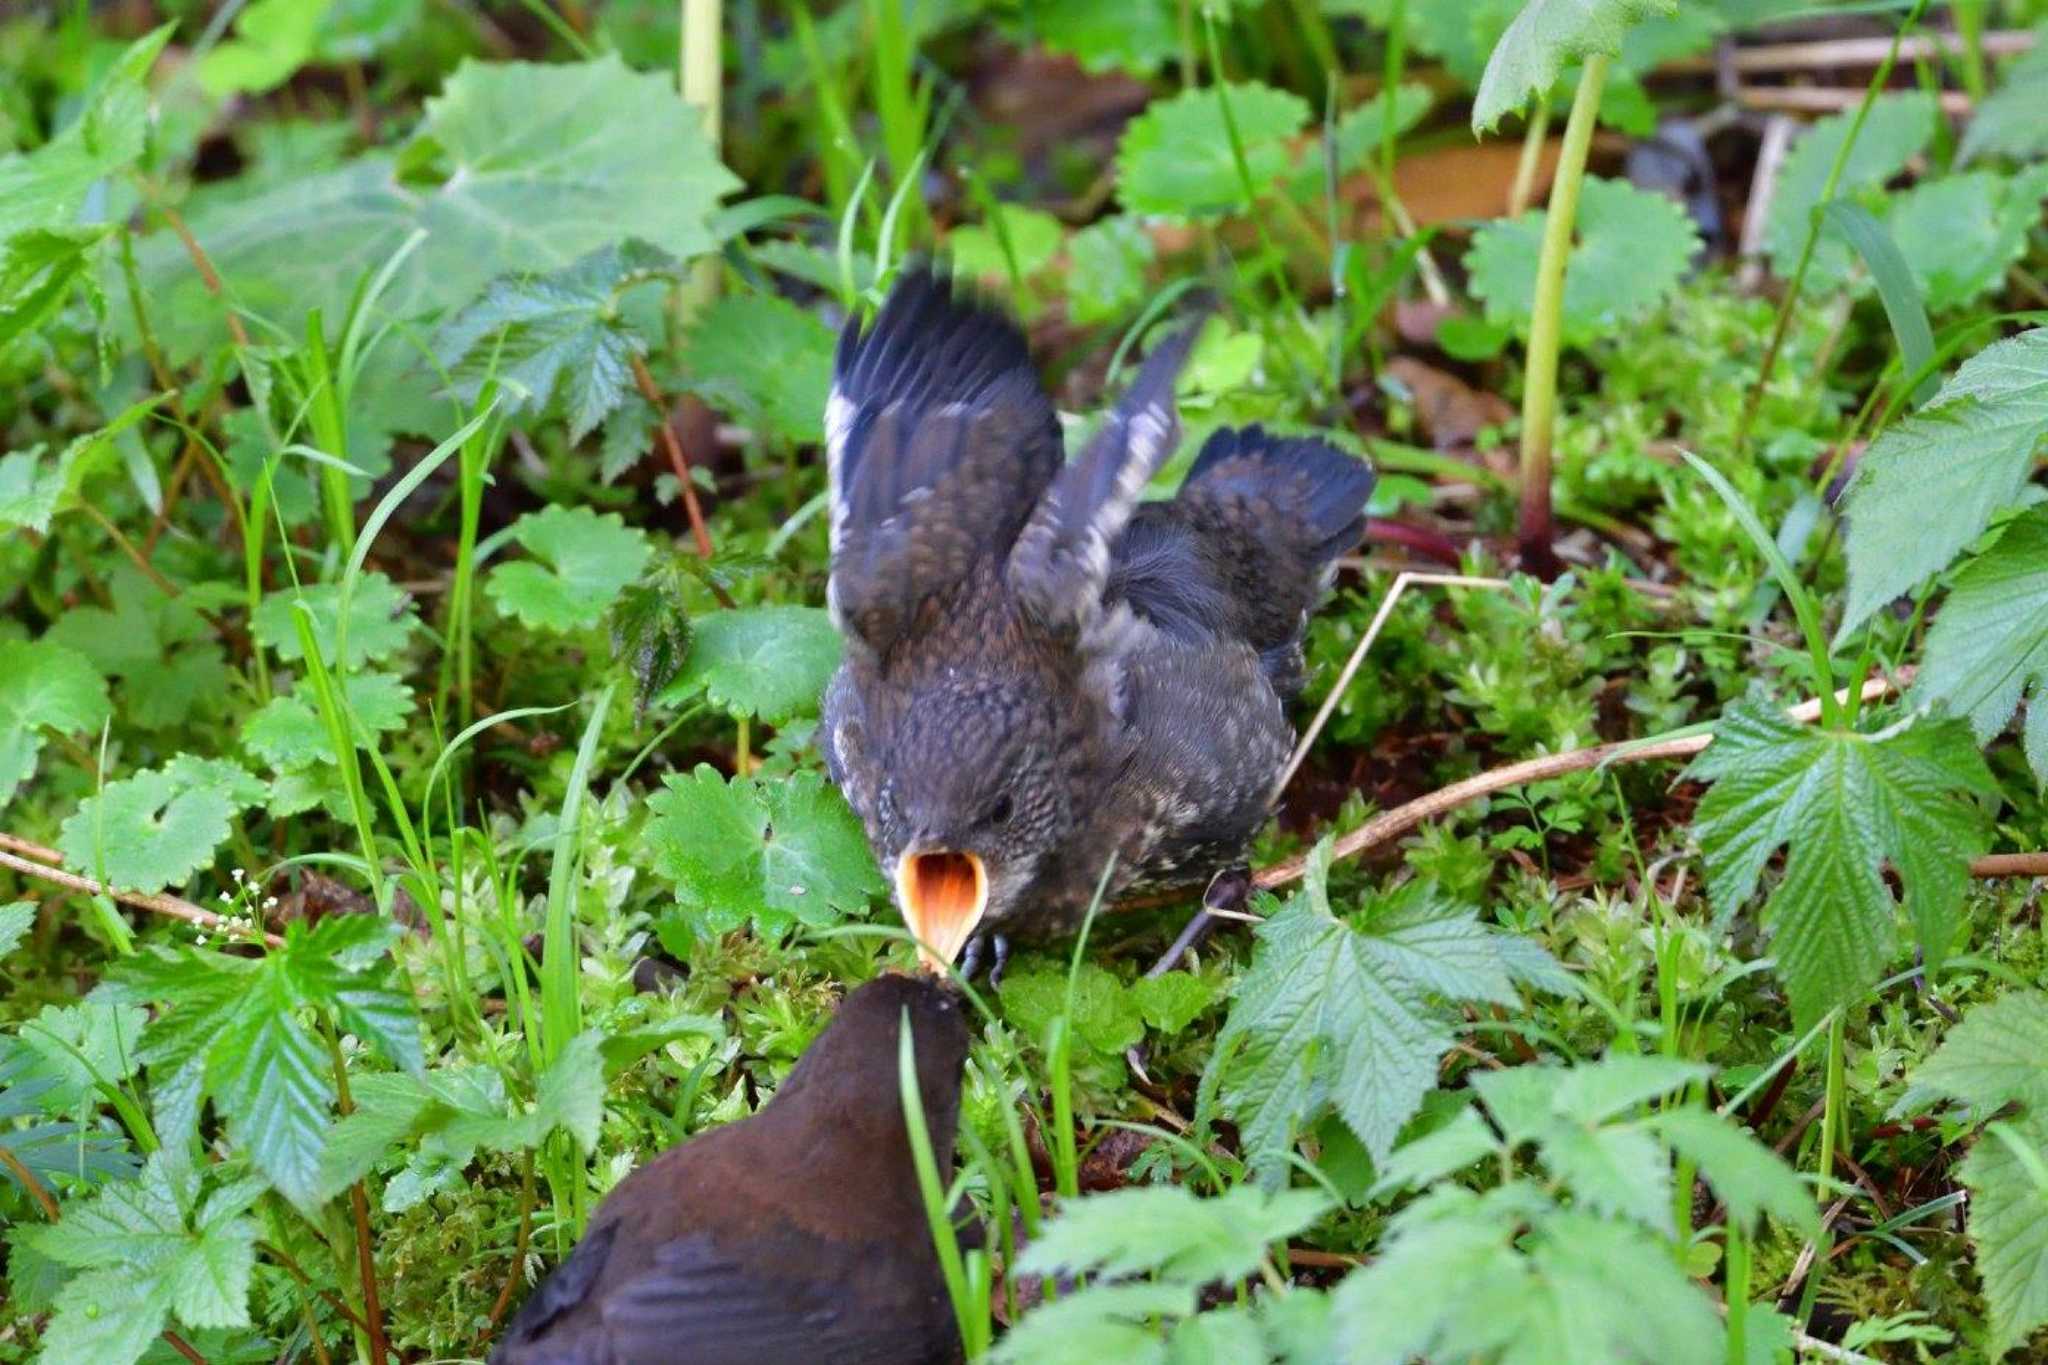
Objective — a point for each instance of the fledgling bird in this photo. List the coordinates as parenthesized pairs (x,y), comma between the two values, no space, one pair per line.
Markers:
(1042,671)
(794,1237)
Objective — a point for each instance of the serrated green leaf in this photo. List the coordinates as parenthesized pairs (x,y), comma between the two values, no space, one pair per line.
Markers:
(1621,1172)
(536,165)
(1750,1178)
(1175,159)
(1435,1155)
(1106,1322)
(101,1320)
(34,490)
(1598,1091)
(79,1048)
(2009,1227)
(380,620)
(1929,485)
(1544,36)
(341,965)
(16,919)
(1843,805)
(2009,121)
(1960,233)
(1463,36)
(1994,1056)
(571,1093)
(772,852)
(558,338)
(1331,1015)
(1170,1001)
(1105,1018)
(1633,248)
(1897,129)
(47,188)
(1169,1233)
(765,358)
(1989,643)
(268,1075)
(771,662)
(157,828)
(39,270)
(585,559)
(43,686)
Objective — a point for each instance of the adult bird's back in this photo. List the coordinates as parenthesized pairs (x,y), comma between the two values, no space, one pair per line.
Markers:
(1042,671)
(795,1237)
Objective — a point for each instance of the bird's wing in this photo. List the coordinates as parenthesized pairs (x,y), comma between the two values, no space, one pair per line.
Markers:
(700,1305)
(1269,516)
(527,1339)
(939,440)
(1060,567)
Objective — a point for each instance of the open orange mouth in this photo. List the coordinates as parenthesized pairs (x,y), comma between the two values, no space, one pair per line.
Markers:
(943,895)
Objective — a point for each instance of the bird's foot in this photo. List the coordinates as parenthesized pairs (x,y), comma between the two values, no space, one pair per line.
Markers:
(1228,891)
(994,946)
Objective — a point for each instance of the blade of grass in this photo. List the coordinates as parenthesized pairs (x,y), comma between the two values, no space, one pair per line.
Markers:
(1896,288)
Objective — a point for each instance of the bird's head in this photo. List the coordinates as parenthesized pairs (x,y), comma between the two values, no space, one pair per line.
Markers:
(979,787)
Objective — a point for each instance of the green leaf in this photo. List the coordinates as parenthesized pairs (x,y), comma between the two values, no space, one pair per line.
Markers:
(1105,1018)
(773,852)
(79,1048)
(557,338)
(1331,1015)
(1616,1084)
(380,620)
(1633,248)
(977,251)
(1898,128)
(1104,1322)
(39,269)
(102,1320)
(771,662)
(341,965)
(1843,805)
(1621,1172)
(1106,266)
(268,1075)
(1170,1001)
(43,687)
(516,166)
(1360,130)
(1175,159)
(1137,37)
(1750,1178)
(1897,286)
(585,559)
(1990,640)
(1961,233)
(273,39)
(16,919)
(47,188)
(1544,36)
(1167,1232)
(762,356)
(1929,485)
(157,828)
(2008,122)
(1994,1056)
(2009,1228)
(32,493)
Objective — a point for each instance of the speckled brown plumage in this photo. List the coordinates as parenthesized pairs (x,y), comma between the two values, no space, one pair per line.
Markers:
(795,1237)
(1040,669)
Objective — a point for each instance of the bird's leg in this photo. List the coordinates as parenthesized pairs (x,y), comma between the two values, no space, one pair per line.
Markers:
(1228,891)
(997,946)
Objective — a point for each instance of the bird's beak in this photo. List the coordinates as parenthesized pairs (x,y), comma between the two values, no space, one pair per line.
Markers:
(943,894)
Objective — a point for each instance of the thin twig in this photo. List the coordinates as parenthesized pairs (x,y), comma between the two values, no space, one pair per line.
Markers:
(174,906)
(518,1253)
(207,273)
(1372,631)
(676,458)
(1836,53)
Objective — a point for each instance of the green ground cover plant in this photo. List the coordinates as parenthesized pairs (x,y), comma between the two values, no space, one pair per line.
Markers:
(413,547)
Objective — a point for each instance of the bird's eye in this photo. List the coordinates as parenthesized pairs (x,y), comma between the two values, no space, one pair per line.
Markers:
(999,813)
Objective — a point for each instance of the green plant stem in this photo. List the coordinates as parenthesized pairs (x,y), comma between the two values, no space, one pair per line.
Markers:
(473,471)
(1737,1293)
(701,76)
(1831,1109)
(1539,383)
(359,1211)
(1524,185)
(1790,302)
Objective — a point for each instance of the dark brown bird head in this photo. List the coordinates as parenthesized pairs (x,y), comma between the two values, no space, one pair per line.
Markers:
(857,1051)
